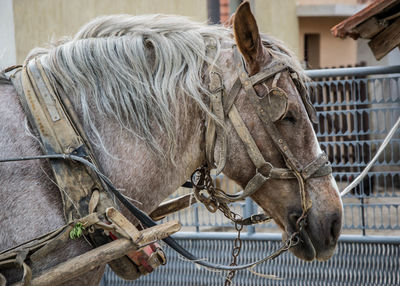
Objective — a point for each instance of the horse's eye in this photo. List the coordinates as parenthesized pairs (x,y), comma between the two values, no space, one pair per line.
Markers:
(290,117)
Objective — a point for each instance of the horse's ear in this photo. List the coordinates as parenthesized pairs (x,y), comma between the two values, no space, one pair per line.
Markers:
(248,37)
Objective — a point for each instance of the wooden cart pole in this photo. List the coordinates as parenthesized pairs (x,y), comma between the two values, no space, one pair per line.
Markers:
(101,255)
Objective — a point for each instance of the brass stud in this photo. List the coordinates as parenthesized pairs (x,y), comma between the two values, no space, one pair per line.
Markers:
(285,148)
(280,141)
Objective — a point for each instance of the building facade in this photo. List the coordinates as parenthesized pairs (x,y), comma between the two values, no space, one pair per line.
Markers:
(304,25)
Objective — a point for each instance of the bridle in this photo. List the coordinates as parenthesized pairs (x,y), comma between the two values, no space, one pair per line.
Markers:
(222,104)
(269,109)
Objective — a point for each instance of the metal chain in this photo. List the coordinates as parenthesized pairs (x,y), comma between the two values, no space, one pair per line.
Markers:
(237,247)
(202,181)
(211,202)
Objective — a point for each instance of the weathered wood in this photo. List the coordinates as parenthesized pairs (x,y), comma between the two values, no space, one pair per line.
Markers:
(99,256)
(160,231)
(122,222)
(345,27)
(84,263)
(173,206)
(385,41)
(370,28)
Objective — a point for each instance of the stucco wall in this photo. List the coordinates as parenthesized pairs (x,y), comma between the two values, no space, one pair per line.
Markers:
(7,40)
(334,52)
(39,21)
(278,19)
(330,2)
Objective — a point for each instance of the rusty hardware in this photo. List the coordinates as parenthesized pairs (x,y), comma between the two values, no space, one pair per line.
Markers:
(237,247)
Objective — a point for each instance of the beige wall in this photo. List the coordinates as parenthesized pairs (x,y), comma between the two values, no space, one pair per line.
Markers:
(330,2)
(7,41)
(334,52)
(278,19)
(39,21)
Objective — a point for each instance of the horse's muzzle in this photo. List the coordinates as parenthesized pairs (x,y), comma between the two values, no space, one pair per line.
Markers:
(316,240)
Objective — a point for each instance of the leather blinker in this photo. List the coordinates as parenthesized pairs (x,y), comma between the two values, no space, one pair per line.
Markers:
(311,111)
(275,103)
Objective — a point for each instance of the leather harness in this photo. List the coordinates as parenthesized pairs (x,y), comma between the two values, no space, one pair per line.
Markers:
(223,105)
(82,191)
(83,187)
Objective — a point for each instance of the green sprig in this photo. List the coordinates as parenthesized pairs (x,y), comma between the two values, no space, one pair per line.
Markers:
(77,231)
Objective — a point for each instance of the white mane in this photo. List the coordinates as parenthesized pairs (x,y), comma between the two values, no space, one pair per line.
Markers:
(132,69)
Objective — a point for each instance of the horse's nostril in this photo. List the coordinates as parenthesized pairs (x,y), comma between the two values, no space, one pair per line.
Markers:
(335,228)
(293,218)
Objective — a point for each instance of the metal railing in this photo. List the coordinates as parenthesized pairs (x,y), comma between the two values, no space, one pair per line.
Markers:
(356,107)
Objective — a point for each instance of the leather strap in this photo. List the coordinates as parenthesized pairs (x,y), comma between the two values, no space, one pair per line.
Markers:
(60,132)
(57,135)
(264,116)
(264,170)
(269,71)
(252,150)
(218,132)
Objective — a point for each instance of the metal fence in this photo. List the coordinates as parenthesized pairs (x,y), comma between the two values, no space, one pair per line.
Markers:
(357,262)
(356,108)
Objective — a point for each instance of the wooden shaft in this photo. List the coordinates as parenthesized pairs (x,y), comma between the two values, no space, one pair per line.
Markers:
(83,263)
(173,206)
(99,256)
(159,232)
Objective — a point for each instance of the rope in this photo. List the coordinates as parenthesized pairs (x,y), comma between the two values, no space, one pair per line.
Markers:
(380,150)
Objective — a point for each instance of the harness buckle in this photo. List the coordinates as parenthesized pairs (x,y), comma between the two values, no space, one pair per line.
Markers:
(265,170)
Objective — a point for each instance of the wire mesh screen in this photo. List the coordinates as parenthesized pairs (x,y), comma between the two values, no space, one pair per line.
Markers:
(355,114)
(354,264)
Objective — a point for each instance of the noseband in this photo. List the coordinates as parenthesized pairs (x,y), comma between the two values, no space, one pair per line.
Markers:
(222,104)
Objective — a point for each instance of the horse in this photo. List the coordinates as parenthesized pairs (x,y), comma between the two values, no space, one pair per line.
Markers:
(139,85)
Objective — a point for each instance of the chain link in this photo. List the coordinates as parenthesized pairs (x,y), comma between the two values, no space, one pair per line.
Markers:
(211,197)
(204,182)
(237,247)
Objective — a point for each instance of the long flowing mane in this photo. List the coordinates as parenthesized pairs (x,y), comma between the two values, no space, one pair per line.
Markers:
(132,69)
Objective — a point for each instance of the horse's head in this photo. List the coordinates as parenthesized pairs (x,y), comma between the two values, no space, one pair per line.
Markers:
(270,103)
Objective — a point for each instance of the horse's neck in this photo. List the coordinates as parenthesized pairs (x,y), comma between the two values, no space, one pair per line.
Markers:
(141,173)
